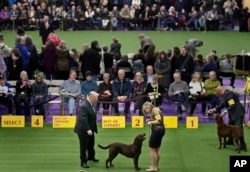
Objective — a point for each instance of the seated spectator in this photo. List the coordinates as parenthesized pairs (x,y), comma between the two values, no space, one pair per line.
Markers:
(125,16)
(145,18)
(39,94)
(213,19)
(72,90)
(201,18)
(182,19)
(62,54)
(4,18)
(199,63)
(138,88)
(148,77)
(105,90)
(108,61)
(179,91)
(162,17)
(14,15)
(154,92)
(88,85)
(6,94)
(23,95)
(193,19)
(72,13)
(210,86)
(163,69)
(98,19)
(171,18)
(121,89)
(226,69)
(209,66)
(115,15)
(15,65)
(125,65)
(89,16)
(197,93)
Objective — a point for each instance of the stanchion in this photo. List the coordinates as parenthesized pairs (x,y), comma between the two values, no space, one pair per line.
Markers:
(63,102)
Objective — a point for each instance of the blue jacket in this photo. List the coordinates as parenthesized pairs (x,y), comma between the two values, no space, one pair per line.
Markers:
(88,86)
(121,88)
(24,53)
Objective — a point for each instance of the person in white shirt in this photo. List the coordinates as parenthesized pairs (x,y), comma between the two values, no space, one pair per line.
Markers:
(197,93)
(5,93)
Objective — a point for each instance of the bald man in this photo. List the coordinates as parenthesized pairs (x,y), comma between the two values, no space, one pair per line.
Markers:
(210,86)
(86,127)
(235,111)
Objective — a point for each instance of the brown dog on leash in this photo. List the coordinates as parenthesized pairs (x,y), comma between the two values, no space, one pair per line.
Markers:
(130,151)
(224,131)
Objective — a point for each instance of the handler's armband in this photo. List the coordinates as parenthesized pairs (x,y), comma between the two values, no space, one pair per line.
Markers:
(231,102)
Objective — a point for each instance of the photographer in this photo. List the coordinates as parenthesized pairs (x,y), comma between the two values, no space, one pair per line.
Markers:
(23,95)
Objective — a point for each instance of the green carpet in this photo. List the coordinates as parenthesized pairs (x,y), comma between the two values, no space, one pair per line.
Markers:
(56,150)
(232,42)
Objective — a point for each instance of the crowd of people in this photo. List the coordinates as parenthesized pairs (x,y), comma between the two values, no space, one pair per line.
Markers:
(127,14)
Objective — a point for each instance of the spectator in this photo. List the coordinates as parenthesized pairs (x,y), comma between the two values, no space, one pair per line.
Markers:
(148,77)
(226,69)
(193,19)
(115,48)
(54,37)
(213,19)
(154,91)
(72,90)
(201,18)
(88,85)
(163,70)
(4,50)
(115,15)
(125,16)
(89,16)
(15,65)
(20,33)
(23,95)
(182,19)
(33,62)
(105,90)
(138,88)
(39,95)
(185,65)
(5,94)
(25,54)
(197,93)
(124,64)
(108,61)
(191,44)
(210,86)
(14,15)
(121,89)
(145,17)
(171,17)
(4,18)
(93,64)
(199,63)
(45,29)
(145,41)
(62,53)
(48,56)
(209,66)
(178,91)
(138,65)
(176,53)
(150,56)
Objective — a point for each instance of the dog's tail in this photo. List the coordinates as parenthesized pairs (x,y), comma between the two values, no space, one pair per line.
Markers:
(103,147)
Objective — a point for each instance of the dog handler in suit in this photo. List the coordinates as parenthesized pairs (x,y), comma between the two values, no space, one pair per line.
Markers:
(235,110)
(155,121)
(85,128)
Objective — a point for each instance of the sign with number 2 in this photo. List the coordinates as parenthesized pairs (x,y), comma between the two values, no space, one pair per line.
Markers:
(137,121)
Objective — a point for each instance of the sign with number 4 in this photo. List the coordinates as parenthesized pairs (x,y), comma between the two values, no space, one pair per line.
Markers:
(37,121)
(192,122)
(137,121)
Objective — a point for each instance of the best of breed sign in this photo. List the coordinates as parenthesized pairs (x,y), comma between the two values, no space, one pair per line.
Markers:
(113,122)
(13,121)
(64,121)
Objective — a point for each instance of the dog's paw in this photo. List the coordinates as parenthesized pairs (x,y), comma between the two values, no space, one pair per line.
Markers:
(107,166)
(218,147)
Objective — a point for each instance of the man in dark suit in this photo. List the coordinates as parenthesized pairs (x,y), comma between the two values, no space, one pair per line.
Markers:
(85,128)
(45,29)
(235,112)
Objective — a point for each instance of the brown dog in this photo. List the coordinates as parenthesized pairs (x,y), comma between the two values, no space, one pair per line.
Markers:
(130,151)
(224,131)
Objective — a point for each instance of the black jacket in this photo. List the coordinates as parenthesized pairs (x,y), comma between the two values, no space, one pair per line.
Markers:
(86,119)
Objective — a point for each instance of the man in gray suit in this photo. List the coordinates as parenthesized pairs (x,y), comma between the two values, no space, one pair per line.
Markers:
(86,127)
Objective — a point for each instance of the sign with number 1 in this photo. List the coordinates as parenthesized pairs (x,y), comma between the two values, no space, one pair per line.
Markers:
(37,121)
(192,122)
(137,121)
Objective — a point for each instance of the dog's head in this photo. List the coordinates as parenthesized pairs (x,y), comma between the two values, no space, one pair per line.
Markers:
(218,118)
(139,139)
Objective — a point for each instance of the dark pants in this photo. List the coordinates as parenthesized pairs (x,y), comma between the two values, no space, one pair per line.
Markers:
(226,74)
(39,106)
(86,145)
(7,102)
(180,99)
(126,109)
(238,122)
(214,101)
(25,101)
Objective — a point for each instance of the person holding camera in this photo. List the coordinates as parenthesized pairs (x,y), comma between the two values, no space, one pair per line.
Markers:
(178,91)
(23,95)
(197,93)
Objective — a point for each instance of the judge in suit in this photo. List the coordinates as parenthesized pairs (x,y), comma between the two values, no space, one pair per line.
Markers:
(85,128)
(45,29)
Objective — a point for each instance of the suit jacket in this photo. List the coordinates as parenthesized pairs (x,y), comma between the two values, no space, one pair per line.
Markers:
(86,119)
(43,32)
